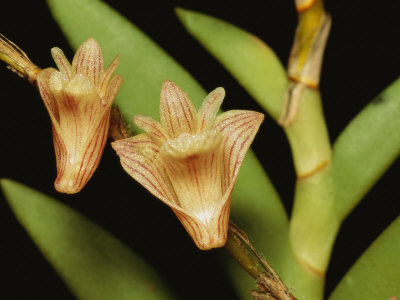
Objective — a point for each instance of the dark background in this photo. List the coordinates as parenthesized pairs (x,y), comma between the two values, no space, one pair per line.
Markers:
(362,58)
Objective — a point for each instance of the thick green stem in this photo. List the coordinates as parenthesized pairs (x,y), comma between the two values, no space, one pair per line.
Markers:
(307,133)
(313,225)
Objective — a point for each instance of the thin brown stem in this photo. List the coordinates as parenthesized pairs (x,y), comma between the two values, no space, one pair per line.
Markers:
(269,285)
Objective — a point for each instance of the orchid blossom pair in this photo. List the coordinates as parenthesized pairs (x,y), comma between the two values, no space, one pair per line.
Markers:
(190,160)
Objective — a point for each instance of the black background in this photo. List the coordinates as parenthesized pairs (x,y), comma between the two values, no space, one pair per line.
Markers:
(362,58)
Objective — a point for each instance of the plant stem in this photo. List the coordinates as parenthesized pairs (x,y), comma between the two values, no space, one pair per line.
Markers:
(313,225)
(269,284)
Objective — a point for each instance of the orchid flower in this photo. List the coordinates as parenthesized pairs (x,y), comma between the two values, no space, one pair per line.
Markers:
(78,99)
(191,160)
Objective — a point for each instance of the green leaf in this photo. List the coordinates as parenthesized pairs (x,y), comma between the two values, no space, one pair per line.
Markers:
(376,274)
(244,55)
(93,263)
(366,148)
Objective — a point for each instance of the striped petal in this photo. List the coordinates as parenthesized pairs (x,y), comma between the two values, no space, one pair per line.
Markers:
(77,160)
(197,183)
(212,234)
(105,78)
(62,62)
(209,109)
(42,81)
(177,112)
(82,130)
(78,105)
(204,238)
(88,61)
(238,128)
(78,99)
(140,158)
(112,90)
(194,166)
(152,128)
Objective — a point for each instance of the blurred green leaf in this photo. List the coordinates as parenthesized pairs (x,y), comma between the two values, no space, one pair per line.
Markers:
(366,148)
(244,55)
(93,263)
(255,203)
(376,274)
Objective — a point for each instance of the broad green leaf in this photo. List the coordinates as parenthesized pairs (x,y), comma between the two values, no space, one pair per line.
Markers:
(376,274)
(93,263)
(244,55)
(144,66)
(366,148)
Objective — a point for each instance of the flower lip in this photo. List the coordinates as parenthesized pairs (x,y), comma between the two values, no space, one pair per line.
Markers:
(192,144)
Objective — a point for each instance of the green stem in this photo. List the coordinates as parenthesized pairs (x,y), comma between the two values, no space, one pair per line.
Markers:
(313,226)
(314,222)
(307,133)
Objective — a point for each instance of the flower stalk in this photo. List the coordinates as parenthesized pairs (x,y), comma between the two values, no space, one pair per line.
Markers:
(269,285)
(17,60)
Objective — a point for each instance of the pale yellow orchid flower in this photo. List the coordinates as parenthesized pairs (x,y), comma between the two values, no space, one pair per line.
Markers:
(78,98)
(191,160)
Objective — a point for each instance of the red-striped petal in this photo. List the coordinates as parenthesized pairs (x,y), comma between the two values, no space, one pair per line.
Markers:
(140,158)
(152,128)
(107,75)
(88,60)
(62,62)
(197,181)
(177,112)
(112,90)
(239,128)
(76,162)
(204,238)
(209,109)
(82,130)
(42,81)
